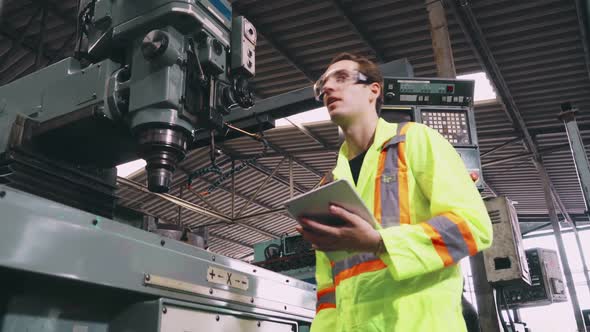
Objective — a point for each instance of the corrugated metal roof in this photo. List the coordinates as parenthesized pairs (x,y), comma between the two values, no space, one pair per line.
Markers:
(537,46)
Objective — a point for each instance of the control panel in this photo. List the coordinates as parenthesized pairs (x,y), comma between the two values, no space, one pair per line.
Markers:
(291,255)
(451,124)
(444,105)
(435,91)
(505,261)
(547,284)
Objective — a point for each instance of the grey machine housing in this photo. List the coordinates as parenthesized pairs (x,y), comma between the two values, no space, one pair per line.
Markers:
(151,79)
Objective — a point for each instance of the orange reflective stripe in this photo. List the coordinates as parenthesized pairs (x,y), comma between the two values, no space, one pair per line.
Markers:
(404,188)
(377,196)
(438,244)
(325,306)
(326,298)
(465,231)
(325,291)
(365,267)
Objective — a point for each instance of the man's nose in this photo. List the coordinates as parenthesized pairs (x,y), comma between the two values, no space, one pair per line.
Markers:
(329,85)
(327,91)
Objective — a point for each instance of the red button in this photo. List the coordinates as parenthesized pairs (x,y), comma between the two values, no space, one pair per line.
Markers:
(474,176)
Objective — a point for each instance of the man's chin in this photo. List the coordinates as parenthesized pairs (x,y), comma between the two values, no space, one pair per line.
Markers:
(338,118)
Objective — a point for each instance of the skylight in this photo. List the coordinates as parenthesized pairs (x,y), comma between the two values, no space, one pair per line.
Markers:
(315,115)
(131,168)
(483,89)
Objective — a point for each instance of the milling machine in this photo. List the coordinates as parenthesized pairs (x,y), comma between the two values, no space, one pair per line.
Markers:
(151,79)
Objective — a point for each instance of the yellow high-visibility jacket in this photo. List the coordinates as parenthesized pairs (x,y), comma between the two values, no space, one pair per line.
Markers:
(430,216)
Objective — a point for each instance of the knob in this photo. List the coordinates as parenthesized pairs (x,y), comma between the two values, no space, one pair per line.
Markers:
(154,44)
(389,95)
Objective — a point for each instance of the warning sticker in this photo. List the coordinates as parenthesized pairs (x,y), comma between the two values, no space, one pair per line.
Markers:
(223,277)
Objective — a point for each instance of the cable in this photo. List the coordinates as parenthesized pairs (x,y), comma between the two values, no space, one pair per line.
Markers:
(499,309)
(507,310)
(191,44)
(84,17)
(224,176)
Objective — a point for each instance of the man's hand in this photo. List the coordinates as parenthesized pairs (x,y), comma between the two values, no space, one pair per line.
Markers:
(355,235)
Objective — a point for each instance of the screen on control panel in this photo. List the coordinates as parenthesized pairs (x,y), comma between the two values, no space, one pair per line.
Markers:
(453,125)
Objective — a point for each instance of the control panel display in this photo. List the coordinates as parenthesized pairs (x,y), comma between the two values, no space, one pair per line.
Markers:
(452,125)
(428,91)
(426,87)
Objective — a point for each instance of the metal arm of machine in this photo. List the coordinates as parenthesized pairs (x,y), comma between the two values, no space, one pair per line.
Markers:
(160,73)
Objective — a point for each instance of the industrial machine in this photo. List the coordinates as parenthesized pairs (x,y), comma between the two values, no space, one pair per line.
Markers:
(505,261)
(446,105)
(290,255)
(547,284)
(151,79)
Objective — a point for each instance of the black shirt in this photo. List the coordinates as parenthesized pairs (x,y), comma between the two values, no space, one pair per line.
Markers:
(355,166)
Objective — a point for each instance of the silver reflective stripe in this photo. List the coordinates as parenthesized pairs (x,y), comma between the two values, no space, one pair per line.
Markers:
(396,139)
(327,298)
(350,262)
(452,237)
(389,190)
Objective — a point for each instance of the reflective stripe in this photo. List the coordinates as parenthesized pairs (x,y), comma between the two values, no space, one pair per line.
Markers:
(352,261)
(465,232)
(323,306)
(380,167)
(451,237)
(326,291)
(326,299)
(356,265)
(438,243)
(389,191)
(387,187)
(404,191)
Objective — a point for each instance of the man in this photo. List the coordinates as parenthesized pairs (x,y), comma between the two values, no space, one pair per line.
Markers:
(403,276)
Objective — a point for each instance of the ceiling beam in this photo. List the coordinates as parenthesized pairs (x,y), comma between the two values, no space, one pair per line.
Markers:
(347,15)
(280,178)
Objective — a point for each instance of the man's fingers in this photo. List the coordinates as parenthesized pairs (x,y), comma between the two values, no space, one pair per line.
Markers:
(319,228)
(317,240)
(344,214)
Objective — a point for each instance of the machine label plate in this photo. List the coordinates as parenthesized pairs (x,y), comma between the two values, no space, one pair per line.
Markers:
(223,277)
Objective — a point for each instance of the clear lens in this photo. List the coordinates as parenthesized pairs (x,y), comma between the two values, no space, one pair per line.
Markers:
(340,77)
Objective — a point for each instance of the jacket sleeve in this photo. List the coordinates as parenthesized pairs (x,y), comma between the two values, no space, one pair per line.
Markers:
(460,225)
(325,319)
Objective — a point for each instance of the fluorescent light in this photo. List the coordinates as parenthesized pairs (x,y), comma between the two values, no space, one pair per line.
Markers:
(483,89)
(315,115)
(130,168)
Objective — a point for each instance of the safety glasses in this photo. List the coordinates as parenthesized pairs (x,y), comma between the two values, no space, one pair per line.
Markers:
(340,78)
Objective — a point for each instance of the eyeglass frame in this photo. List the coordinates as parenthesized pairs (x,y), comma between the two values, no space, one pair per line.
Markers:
(360,79)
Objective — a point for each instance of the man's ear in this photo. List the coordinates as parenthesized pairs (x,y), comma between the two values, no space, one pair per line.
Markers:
(375,90)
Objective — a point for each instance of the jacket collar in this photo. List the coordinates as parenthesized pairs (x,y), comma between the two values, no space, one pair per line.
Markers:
(383,133)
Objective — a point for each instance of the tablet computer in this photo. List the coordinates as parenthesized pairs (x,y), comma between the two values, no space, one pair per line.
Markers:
(315,204)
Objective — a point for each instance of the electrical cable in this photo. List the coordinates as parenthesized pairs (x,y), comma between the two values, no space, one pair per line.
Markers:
(508,310)
(224,176)
(84,17)
(499,309)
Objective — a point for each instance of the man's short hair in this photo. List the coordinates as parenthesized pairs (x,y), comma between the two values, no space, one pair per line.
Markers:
(367,67)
